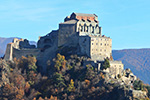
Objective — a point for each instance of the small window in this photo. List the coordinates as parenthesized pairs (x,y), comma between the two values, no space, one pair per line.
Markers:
(92,43)
(96,49)
(93,29)
(105,44)
(100,49)
(101,43)
(81,28)
(96,43)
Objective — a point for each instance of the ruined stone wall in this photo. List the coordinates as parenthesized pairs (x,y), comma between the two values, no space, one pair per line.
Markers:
(22,43)
(18,48)
(9,52)
(116,67)
(25,52)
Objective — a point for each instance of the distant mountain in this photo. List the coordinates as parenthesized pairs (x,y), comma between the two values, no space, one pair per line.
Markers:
(1,52)
(3,44)
(5,41)
(138,60)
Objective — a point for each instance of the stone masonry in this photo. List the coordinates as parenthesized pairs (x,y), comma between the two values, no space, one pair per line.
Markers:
(78,30)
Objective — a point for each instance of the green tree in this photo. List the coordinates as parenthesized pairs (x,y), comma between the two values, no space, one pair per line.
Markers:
(58,80)
(106,64)
(138,85)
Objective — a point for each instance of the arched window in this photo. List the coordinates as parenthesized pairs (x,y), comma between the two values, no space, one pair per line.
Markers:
(47,46)
(81,28)
(92,29)
(47,41)
(85,28)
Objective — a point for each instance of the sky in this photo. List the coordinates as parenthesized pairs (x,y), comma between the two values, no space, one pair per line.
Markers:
(127,22)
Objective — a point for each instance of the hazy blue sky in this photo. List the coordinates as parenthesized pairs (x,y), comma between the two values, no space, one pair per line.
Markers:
(127,22)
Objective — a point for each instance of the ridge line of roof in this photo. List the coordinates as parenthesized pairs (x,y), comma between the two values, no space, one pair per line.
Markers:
(84,14)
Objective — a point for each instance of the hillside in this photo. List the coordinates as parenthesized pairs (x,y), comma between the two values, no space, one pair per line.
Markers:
(5,41)
(138,60)
(65,79)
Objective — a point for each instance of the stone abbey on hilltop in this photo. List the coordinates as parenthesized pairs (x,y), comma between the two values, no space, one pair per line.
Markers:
(80,31)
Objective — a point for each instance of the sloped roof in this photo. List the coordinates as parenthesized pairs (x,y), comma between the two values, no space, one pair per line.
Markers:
(83,14)
(69,22)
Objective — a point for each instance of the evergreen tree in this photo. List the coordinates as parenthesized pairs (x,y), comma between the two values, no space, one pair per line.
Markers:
(106,64)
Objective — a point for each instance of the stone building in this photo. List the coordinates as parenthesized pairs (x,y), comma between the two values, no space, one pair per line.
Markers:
(96,47)
(116,68)
(83,30)
(78,30)
(77,24)
(19,48)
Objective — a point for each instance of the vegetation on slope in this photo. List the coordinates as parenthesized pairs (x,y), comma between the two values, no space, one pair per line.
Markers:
(64,80)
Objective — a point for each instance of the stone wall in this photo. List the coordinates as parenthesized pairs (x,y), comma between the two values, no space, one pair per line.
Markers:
(9,52)
(116,67)
(100,47)
(25,52)
(67,34)
(84,43)
(18,48)
(96,47)
(139,94)
(48,41)
(21,43)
